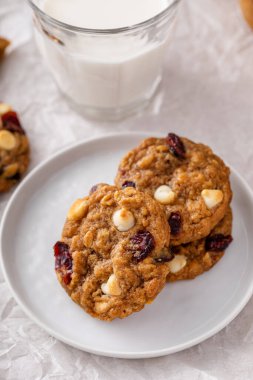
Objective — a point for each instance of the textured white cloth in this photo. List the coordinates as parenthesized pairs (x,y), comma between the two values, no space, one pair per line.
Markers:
(207,94)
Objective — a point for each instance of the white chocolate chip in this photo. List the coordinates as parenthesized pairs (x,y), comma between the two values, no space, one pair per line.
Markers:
(164,195)
(101,307)
(178,263)
(4,108)
(123,220)
(212,197)
(207,259)
(7,140)
(111,287)
(78,210)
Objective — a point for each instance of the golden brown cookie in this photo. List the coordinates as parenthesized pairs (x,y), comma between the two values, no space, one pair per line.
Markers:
(247,8)
(112,257)
(3,45)
(188,179)
(192,259)
(14,148)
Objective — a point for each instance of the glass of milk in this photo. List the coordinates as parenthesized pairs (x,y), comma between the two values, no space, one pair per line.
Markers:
(105,55)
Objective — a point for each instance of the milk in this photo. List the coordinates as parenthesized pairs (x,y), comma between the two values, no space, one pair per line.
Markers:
(103,14)
(111,72)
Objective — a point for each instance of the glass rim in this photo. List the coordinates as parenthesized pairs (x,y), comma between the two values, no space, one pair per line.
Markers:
(73,28)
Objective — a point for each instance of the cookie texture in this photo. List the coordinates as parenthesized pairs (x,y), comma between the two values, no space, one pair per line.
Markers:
(186,178)
(113,256)
(192,259)
(3,45)
(14,148)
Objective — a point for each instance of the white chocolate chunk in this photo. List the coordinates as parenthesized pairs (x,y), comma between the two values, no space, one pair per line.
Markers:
(78,210)
(4,108)
(111,287)
(101,307)
(123,220)
(7,140)
(178,263)
(164,195)
(212,197)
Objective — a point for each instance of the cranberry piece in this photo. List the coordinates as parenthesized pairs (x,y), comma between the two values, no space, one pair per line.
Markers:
(93,189)
(66,278)
(128,184)
(63,261)
(142,243)
(175,222)
(218,242)
(11,123)
(175,250)
(176,145)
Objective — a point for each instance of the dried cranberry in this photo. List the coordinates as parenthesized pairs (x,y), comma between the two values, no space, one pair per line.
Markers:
(68,263)
(218,242)
(93,189)
(11,122)
(176,145)
(63,261)
(175,250)
(67,278)
(142,243)
(175,222)
(128,184)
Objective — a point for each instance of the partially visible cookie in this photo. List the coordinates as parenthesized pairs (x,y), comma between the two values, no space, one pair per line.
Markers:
(3,45)
(112,257)
(187,178)
(14,148)
(192,259)
(247,8)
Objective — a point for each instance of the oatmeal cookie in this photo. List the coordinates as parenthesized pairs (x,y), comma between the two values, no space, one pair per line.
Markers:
(188,179)
(112,257)
(14,148)
(3,45)
(192,259)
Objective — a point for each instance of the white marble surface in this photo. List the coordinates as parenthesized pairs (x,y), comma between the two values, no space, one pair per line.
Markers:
(207,94)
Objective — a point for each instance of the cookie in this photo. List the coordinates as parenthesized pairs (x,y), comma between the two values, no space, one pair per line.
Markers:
(3,45)
(112,257)
(188,179)
(247,9)
(192,259)
(14,148)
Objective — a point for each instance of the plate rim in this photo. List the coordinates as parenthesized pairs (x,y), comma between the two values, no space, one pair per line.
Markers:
(111,353)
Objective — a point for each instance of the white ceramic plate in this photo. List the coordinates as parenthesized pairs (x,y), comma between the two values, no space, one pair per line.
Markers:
(184,314)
